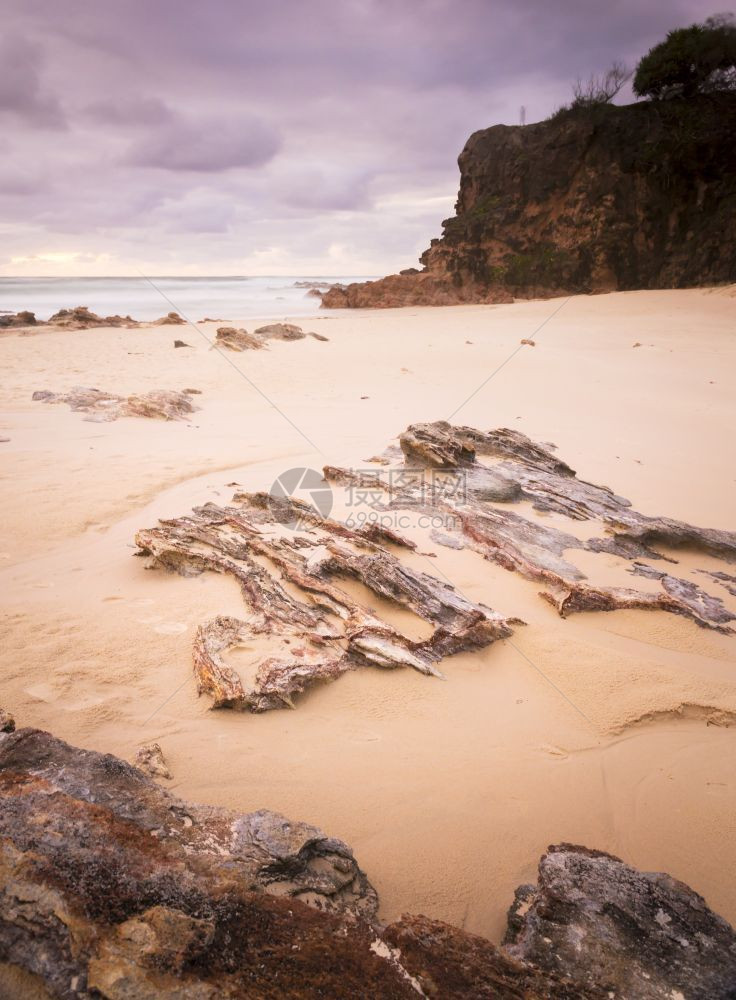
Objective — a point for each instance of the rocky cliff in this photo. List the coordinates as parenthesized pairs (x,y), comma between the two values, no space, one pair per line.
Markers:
(594,199)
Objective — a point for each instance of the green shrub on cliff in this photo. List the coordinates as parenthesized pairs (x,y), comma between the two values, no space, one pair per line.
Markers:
(698,59)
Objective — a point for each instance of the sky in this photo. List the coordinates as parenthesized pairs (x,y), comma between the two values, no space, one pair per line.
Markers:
(255,137)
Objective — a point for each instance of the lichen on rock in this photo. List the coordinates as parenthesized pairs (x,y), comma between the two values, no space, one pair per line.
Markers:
(112,887)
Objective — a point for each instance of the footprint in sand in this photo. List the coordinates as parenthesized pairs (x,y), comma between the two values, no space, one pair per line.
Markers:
(553,751)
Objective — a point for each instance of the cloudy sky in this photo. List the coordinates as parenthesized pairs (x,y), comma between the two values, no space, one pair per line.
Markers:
(271,136)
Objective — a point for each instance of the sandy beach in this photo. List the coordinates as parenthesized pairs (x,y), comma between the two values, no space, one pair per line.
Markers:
(613,730)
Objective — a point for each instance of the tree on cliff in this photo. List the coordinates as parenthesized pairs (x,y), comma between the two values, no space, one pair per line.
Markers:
(694,60)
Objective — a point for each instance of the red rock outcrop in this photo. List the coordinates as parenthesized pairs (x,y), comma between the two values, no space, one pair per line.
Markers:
(421,289)
(594,199)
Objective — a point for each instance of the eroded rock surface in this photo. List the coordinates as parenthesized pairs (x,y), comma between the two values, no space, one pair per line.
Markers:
(111,887)
(315,630)
(418,289)
(445,961)
(323,631)
(150,759)
(475,498)
(19,319)
(241,340)
(631,934)
(170,319)
(238,340)
(82,318)
(102,406)
(108,882)
(594,199)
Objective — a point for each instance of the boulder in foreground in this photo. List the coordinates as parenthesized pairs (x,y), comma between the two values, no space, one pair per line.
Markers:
(111,887)
(634,934)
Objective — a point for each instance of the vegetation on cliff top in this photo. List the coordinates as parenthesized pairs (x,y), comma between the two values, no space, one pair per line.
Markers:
(699,59)
(694,60)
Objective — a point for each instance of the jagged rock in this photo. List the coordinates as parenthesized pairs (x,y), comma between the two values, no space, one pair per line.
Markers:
(181,343)
(112,887)
(7,722)
(280,331)
(323,632)
(241,340)
(150,759)
(422,289)
(726,580)
(594,199)
(467,494)
(529,343)
(436,444)
(237,340)
(445,961)
(19,319)
(105,406)
(639,935)
(170,319)
(82,318)
(109,883)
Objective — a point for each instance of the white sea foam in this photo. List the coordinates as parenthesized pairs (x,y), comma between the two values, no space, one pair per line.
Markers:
(226,298)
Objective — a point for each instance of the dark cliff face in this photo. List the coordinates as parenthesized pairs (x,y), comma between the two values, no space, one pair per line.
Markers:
(595,199)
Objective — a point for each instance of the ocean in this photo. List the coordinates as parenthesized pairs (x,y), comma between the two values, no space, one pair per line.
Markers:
(226,298)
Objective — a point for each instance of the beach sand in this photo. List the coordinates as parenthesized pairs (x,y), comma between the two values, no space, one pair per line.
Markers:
(609,730)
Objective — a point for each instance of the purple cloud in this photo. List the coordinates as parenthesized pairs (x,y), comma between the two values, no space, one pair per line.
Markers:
(207,146)
(316,136)
(21,91)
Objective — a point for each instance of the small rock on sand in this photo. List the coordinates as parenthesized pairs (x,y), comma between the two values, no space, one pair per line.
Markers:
(150,758)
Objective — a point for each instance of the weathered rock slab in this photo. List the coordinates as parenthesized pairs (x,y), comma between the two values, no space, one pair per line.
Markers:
(632,934)
(103,407)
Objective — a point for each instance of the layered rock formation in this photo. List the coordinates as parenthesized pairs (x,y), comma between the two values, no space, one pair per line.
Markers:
(111,887)
(594,199)
(102,407)
(473,498)
(81,318)
(315,630)
(241,340)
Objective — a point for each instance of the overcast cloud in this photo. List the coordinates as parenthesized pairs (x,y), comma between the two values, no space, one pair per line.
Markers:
(243,137)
